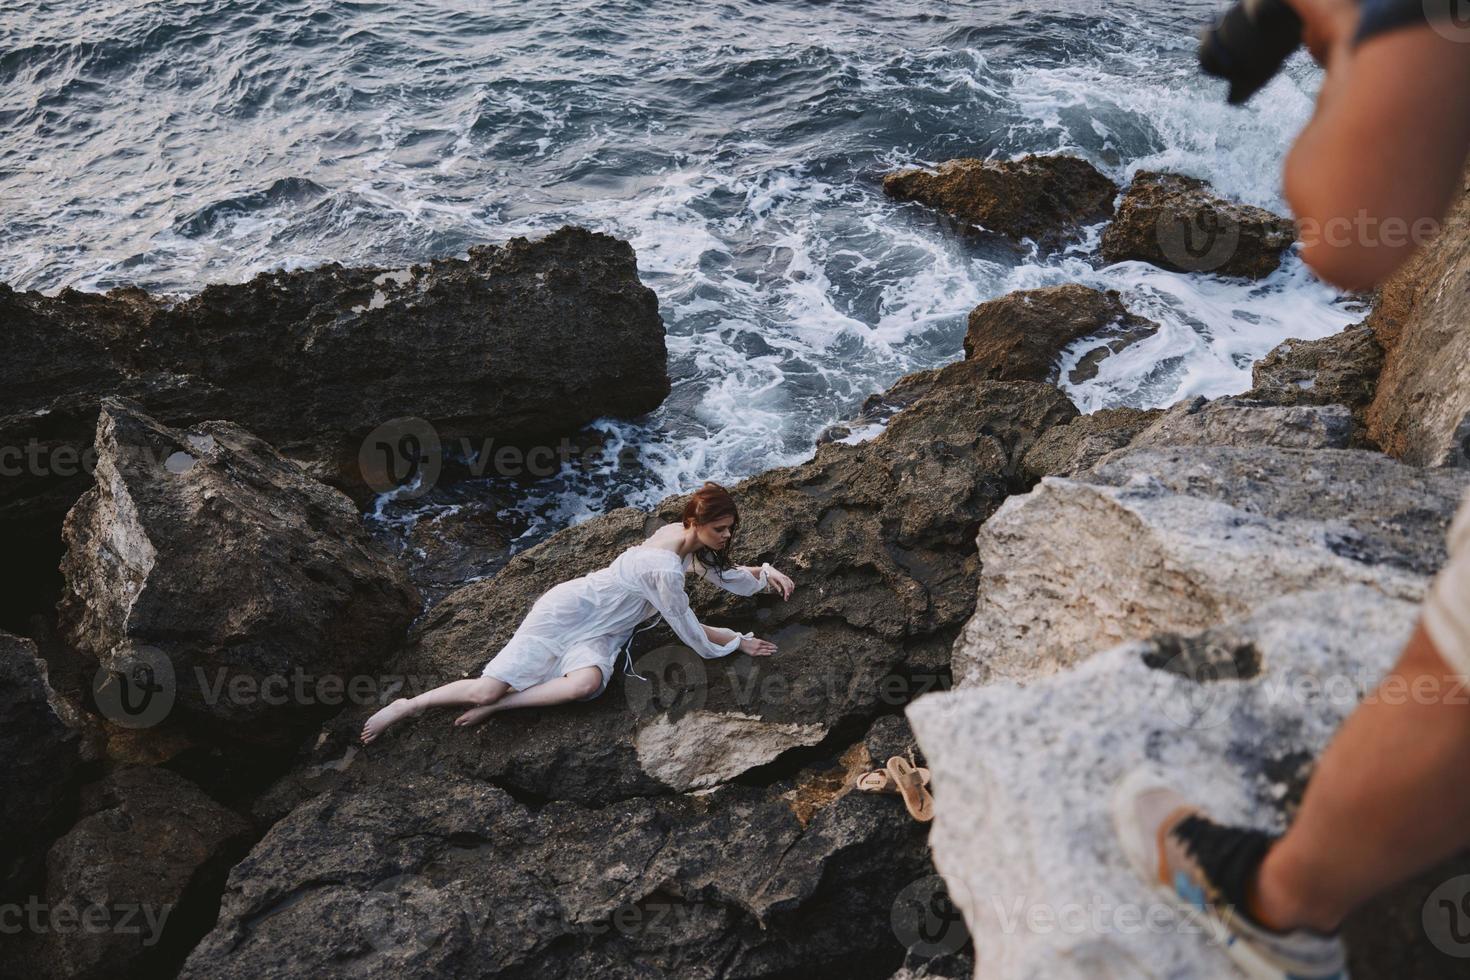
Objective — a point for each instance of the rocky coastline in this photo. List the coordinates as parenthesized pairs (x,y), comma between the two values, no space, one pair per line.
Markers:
(1023,597)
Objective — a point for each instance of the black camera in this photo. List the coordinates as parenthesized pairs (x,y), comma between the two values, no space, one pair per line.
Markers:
(1248,44)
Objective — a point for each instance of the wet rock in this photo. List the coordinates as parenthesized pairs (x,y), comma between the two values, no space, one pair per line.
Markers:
(1176,223)
(448,875)
(1338,370)
(151,856)
(1179,539)
(1066,449)
(518,343)
(1023,775)
(221,585)
(1021,335)
(42,758)
(1421,409)
(880,408)
(1044,198)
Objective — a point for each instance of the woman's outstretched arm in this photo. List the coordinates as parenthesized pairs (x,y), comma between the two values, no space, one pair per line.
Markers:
(748,580)
(665,589)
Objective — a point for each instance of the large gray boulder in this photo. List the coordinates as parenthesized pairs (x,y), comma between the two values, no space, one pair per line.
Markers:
(1179,539)
(239,584)
(1232,715)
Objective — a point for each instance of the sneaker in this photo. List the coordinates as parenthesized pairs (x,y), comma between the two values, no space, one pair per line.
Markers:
(1206,868)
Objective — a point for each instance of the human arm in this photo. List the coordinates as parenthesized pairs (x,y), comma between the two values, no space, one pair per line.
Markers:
(749,643)
(748,580)
(665,589)
(1369,177)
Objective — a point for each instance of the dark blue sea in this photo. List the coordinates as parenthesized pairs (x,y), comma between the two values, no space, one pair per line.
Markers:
(738,146)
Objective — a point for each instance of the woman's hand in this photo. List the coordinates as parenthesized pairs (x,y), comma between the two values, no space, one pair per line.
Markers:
(757,647)
(780,582)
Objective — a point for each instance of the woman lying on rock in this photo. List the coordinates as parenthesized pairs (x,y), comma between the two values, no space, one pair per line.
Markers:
(567,646)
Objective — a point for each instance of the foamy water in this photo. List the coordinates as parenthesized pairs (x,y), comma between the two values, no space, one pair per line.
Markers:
(740,150)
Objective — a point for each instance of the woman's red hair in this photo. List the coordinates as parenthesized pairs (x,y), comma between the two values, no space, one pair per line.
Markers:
(710,503)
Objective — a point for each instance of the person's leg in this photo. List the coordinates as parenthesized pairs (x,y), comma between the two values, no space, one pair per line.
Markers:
(574,685)
(1388,798)
(470,690)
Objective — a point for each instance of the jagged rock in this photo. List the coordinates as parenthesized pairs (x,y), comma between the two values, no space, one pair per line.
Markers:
(876,536)
(447,875)
(1421,408)
(1337,370)
(1023,776)
(1021,335)
(1235,422)
(1066,449)
(1045,198)
(37,785)
(151,855)
(314,361)
(1175,222)
(243,585)
(1180,539)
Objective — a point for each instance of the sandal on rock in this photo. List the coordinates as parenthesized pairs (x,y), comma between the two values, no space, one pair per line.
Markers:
(915,796)
(879,781)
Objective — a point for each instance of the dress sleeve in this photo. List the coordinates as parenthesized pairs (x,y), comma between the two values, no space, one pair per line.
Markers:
(666,592)
(737,580)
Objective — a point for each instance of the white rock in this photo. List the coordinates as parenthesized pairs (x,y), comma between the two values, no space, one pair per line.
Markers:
(1022,777)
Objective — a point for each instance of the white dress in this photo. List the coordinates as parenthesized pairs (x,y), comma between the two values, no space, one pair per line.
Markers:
(586,621)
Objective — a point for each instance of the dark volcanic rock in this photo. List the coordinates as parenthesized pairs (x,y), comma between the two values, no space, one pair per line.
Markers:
(37,788)
(1174,222)
(519,343)
(441,874)
(1044,198)
(717,792)
(1019,336)
(152,856)
(205,555)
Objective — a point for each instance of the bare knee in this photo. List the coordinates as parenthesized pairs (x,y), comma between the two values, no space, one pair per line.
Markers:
(588,681)
(488,690)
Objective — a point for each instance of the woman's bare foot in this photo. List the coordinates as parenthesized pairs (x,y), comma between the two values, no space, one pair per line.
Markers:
(385,717)
(474,716)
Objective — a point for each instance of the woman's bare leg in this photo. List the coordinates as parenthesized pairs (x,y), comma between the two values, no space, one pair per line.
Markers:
(571,686)
(471,690)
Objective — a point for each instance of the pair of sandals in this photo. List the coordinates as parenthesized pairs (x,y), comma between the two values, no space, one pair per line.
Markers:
(901,777)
